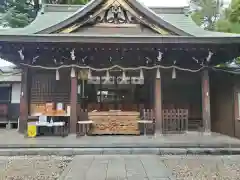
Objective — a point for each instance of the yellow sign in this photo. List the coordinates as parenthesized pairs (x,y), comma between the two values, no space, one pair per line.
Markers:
(32,131)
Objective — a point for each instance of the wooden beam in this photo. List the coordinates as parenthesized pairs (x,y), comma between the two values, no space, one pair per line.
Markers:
(206,113)
(73,117)
(158,105)
(24,99)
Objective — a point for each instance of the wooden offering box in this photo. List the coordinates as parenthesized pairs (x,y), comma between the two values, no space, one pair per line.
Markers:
(114,122)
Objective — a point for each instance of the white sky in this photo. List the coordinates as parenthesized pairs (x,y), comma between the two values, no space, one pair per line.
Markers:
(172,3)
(150,3)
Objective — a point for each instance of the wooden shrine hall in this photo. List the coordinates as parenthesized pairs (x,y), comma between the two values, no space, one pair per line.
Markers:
(118,64)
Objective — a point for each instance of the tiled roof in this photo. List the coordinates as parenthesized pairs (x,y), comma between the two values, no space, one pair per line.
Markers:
(185,23)
(10,78)
(51,15)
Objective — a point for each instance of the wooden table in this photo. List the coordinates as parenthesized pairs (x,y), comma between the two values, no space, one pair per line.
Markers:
(51,115)
(57,125)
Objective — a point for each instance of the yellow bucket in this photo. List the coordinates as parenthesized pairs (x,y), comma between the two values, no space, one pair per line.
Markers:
(32,130)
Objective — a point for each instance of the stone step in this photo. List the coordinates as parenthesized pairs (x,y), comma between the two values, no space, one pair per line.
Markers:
(122,151)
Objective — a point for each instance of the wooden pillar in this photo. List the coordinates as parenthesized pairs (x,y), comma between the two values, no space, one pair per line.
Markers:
(158,105)
(24,100)
(73,117)
(206,113)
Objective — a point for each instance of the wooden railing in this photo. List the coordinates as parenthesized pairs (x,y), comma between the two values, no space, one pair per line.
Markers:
(175,120)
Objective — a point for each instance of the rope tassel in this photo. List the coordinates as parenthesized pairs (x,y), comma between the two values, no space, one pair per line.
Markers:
(73,73)
(89,74)
(158,75)
(174,73)
(57,75)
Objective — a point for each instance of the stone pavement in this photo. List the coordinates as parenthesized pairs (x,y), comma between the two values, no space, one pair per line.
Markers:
(112,167)
(152,167)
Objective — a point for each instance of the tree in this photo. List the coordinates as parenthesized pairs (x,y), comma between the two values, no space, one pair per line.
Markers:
(18,13)
(230,21)
(206,12)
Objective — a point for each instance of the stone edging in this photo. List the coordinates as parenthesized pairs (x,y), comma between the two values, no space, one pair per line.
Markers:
(112,151)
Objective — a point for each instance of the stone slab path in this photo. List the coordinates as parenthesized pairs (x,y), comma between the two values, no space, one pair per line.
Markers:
(152,167)
(112,167)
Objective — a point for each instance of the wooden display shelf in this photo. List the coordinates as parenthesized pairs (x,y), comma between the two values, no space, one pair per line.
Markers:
(116,133)
(114,123)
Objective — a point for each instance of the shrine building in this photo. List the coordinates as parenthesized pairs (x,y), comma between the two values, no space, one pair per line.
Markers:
(116,62)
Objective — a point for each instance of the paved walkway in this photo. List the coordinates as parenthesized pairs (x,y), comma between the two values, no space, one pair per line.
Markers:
(152,167)
(14,139)
(114,167)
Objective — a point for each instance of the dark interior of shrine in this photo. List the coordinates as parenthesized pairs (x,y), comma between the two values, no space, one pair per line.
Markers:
(180,92)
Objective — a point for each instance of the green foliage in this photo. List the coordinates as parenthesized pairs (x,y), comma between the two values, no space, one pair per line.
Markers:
(223,25)
(198,18)
(230,20)
(17,13)
(234,11)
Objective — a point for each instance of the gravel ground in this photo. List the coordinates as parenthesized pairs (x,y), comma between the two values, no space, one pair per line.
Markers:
(204,167)
(32,167)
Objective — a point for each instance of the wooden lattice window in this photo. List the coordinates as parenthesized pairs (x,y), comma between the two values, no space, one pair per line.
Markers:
(45,88)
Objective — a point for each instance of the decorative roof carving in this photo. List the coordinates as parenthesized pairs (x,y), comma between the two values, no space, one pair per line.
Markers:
(117,12)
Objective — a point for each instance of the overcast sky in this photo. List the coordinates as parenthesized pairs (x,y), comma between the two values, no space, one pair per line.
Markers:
(150,3)
(165,2)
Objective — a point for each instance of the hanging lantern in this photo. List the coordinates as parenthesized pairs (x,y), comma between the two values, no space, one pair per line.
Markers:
(73,73)
(174,73)
(158,75)
(57,75)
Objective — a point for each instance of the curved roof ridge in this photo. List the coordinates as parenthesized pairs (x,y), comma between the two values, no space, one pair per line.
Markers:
(76,15)
(60,7)
(170,10)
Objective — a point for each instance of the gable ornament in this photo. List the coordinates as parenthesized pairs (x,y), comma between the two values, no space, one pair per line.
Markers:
(115,14)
